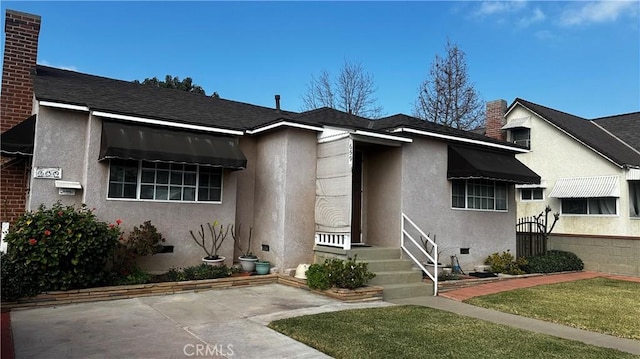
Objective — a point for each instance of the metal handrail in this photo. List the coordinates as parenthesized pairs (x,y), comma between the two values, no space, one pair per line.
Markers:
(433,259)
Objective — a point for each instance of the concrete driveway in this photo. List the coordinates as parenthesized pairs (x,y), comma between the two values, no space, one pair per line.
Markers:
(215,324)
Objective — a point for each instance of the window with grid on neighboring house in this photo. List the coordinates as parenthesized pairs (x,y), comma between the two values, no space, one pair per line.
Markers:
(590,206)
(479,194)
(531,194)
(159,181)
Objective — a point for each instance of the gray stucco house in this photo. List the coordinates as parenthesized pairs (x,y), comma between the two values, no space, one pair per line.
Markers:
(310,182)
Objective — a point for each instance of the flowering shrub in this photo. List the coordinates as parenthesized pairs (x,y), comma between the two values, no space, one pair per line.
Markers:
(142,241)
(61,248)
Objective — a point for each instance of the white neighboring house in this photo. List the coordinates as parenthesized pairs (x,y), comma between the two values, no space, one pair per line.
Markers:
(590,173)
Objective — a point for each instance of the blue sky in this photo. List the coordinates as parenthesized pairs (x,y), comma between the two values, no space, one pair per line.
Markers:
(578,57)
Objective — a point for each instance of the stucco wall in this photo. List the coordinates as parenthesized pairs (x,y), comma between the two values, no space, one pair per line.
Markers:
(72,141)
(285,196)
(382,196)
(60,139)
(620,255)
(426,199)
(555,155)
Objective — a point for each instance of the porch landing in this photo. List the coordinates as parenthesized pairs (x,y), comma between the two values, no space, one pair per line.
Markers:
(397,277)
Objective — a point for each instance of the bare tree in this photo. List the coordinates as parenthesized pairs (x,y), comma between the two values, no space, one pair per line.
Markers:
(447,96)
(351,91)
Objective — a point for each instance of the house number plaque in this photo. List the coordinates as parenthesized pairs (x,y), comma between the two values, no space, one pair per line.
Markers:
(48,172)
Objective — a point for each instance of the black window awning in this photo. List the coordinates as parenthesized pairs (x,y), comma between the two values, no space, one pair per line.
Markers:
(136,142)
(475,163)
(18,141)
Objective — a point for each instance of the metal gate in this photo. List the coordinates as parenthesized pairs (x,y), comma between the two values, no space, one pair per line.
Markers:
(530,238)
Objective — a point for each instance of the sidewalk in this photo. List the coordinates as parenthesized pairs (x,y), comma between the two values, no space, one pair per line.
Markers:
(452,301)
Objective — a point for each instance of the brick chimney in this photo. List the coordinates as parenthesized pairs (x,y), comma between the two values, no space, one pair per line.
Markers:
(495,119)
(16,102)
(20,54)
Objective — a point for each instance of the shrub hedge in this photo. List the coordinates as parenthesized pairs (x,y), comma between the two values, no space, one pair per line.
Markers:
(554,261)
(338,273)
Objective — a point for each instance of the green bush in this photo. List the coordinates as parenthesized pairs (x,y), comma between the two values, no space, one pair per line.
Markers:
(198,272)
(506,263)
(142,241)
(338,273)
(137,276)
(318,277)
(16,280)
(554,261)
(62,248)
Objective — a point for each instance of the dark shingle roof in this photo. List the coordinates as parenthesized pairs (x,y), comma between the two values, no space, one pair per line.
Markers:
(401,120)
(586,132)
(128,98)
(626,127)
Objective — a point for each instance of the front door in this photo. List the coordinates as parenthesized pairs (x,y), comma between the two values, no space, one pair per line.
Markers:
(356,198)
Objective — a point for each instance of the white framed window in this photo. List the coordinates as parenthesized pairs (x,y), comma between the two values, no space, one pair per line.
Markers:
(590,206)
(479,194)
(159,181)
(521,136)
(531,194)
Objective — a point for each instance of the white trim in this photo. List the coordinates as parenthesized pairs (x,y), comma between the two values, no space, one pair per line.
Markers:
(459,139)
(542,184)
(633,174)
(165,123)
(383,136)
(284,123)
(333,137)
(65,106)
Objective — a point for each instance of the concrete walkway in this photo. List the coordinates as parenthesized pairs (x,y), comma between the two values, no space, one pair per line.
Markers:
(213,324)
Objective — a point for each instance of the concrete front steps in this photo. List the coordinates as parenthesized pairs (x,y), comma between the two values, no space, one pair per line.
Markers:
(396,276)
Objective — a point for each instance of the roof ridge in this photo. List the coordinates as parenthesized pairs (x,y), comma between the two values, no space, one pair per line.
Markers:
(518,99)
(614,116)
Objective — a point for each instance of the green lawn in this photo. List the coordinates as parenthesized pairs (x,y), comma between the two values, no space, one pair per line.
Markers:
(600,305)
(421,332)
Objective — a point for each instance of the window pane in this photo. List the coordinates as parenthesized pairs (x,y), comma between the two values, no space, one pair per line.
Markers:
(537,193)
(115,190)
(164,166)
(146,192)
(148,176)
(574,205)
(189,194)
(116,173)
(602,206)
(190,178)
(203,194)
(162,193)
(525,194)
(175,193)
(176,177)
(130,190)
(162,177)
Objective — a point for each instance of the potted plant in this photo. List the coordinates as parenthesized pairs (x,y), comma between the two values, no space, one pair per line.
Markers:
(218,235)
(247,259)
(263,267)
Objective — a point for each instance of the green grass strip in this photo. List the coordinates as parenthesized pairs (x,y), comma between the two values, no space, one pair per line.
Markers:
(600,305)
(421,332)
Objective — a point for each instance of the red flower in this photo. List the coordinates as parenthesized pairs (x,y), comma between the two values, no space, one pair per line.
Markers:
(32,242)
(118,221)
(47,232)
(111,225)
(60,213)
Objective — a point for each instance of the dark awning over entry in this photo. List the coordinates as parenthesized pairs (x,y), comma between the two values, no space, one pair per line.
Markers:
(469,163)
(127,141)
(18,141)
